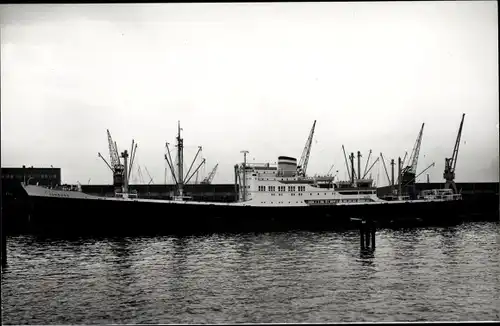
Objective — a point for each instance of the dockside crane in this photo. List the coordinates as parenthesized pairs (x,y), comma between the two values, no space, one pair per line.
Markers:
(113,153)
(404,158)
(210,177)
(115,164)
(304,159)
(451,163)
(402,164)
(408,172)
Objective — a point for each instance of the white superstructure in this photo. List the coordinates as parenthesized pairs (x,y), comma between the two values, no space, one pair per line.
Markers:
(279,185)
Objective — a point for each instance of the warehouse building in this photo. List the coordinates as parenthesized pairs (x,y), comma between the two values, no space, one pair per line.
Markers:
(30,175)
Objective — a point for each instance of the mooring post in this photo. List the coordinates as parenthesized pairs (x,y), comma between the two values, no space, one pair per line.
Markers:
(373,230)
(361,234)
(367,234)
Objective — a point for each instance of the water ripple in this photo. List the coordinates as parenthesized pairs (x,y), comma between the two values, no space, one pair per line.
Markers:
(431,274)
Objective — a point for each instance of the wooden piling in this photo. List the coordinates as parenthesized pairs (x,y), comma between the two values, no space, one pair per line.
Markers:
(367,229)
(362,234)
(373,230)
(367,235)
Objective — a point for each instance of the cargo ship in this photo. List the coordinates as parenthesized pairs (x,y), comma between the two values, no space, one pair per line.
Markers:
(271,197)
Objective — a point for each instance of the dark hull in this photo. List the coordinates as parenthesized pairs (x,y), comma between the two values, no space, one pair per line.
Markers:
(97,217)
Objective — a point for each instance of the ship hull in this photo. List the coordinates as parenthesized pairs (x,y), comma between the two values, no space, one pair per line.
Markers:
(53,215)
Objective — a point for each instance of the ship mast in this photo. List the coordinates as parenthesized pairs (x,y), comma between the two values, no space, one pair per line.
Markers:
(245,152)
(180,160)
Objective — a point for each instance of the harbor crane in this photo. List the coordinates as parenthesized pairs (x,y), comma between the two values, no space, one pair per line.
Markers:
(451,163)
(115,165)
(210,177)
(120,176)
(304,159)
(408,172)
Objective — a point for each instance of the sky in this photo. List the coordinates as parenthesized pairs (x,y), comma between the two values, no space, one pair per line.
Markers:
(250,76)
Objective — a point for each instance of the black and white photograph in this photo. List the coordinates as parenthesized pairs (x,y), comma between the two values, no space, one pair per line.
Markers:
(249,162)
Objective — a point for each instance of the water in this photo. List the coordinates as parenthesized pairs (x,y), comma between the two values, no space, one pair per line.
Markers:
(433,274)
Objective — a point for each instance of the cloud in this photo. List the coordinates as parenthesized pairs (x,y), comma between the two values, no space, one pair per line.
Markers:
(248,76)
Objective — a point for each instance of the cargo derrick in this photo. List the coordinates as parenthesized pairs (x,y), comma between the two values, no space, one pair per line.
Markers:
(181,179)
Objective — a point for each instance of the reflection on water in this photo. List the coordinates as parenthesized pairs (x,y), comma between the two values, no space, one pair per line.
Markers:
(430,274)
